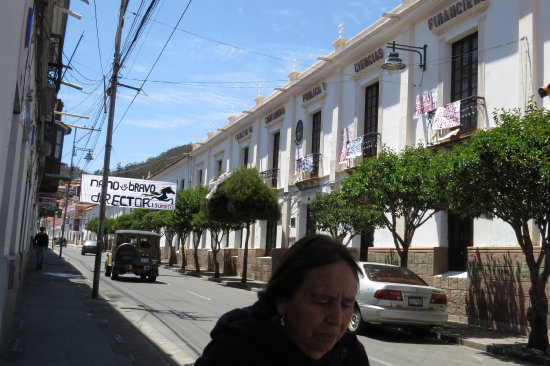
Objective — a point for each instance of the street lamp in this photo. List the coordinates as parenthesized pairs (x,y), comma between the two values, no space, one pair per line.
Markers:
(88,158)
(393,62)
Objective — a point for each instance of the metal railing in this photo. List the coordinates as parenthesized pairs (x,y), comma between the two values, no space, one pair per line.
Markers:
(270,175)
(472,110)
(309,164)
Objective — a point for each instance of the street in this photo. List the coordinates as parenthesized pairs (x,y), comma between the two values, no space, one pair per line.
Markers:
(178,312)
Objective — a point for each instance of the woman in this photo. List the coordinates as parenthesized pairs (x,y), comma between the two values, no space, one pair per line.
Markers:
(301,316)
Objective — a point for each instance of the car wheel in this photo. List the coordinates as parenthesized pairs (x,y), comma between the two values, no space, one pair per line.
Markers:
(83,252)
(420,332)
(143,277)
(114,275)
(356,323)
(152,278)
(108,271)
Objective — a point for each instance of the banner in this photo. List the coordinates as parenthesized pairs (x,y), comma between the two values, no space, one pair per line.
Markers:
(129,192)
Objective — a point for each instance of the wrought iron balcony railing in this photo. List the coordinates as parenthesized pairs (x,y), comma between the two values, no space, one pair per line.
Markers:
(472,112)
(270,176)
(308,166)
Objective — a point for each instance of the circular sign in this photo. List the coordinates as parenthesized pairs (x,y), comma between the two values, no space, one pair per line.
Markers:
(299,138)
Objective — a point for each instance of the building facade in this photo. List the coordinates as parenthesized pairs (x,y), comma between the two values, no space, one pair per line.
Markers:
(31,134)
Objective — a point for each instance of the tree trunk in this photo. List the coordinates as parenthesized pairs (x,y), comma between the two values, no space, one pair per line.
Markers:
(172,256)
(245,256)
(196,241)
(183,238)
(216,264)
(537,316)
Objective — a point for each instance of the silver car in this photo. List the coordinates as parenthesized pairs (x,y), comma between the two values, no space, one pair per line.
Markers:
(396,296)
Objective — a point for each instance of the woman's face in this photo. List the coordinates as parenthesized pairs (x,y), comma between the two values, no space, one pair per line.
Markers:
(319,312)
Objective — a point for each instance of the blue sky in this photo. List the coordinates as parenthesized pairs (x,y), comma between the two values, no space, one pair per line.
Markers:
(216,60)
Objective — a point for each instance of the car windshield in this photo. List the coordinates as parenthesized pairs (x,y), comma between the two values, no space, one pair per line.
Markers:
(383,273)
(90,242)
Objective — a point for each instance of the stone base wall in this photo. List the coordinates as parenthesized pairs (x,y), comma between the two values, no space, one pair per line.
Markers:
(425,262)
(498,292)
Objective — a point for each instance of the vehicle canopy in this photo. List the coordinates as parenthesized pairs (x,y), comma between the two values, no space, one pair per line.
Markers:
(143,238)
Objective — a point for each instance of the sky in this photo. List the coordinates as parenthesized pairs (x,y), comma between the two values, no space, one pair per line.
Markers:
(195,62)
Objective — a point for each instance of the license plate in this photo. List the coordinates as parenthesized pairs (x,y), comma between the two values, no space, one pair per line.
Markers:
(415,301)
(144,260)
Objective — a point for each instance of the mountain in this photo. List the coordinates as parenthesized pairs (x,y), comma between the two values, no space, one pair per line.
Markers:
(143,169)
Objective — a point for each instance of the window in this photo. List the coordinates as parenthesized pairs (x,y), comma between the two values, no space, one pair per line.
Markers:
(200,176)
(464,76)
(270,237)
(370,140)
(316,134)
(275,160)
(219,167)
(245,156)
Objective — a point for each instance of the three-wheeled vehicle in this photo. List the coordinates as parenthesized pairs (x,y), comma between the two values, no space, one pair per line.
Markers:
(136,252)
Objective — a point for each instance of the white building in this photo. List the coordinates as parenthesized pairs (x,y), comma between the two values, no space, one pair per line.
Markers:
(484,54)
(31,136)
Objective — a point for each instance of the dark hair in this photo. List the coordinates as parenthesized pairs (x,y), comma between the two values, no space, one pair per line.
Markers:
(310,252)
(42,228)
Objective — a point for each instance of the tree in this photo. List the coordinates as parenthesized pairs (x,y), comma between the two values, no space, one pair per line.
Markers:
(164,221)
(242,199)
(217,230)
(341,217)
(93,225)
(404,186)
(505,173)
(110,226)
(190,220)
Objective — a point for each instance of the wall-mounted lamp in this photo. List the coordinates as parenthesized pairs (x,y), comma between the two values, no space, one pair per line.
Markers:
(393,62)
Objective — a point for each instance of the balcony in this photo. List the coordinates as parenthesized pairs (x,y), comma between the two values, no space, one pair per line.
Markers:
(270,177)
(461,125)
(307,171)
(365,147)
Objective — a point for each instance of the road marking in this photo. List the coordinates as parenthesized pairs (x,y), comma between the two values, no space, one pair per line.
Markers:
(192,293)
(380,361)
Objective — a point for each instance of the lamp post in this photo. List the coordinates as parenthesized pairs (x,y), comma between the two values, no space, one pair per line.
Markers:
(88,158)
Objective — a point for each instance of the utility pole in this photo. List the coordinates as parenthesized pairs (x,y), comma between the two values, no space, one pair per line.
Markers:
(112,93)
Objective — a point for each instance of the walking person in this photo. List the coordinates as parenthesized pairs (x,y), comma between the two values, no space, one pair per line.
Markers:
(40,243)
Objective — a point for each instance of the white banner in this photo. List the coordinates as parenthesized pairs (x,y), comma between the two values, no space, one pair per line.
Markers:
(129,192)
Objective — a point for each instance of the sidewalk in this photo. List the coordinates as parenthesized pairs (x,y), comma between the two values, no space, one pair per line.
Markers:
(58,323)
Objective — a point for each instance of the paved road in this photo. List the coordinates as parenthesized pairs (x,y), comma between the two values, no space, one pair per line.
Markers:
(179,311)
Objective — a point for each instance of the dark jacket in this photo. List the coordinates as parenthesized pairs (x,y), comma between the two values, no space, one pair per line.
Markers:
(41,239)
(249,336)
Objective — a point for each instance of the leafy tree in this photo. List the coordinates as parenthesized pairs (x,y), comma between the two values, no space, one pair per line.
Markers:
(404,186)
(505,173)
(164,221)
(183,217)
(217,230)
(189,218)
(93,225)
(242,199)
(123,222)
(341,217)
